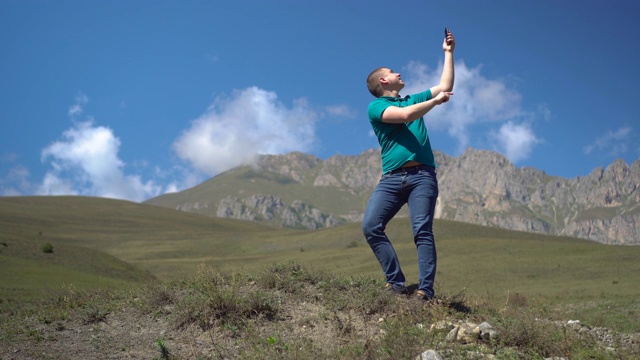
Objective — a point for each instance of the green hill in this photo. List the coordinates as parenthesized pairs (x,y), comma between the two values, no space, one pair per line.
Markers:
(104,242)
(28,273)
(244,181)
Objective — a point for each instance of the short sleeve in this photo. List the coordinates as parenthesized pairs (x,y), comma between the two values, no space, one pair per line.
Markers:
(422,97)
(376,108)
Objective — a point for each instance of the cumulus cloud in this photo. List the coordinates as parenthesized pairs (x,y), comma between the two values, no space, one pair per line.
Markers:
(235,129)
(612,143)
(515,141)
(477,100)
(85,162)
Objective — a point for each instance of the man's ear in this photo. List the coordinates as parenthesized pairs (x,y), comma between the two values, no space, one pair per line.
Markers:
(383,80)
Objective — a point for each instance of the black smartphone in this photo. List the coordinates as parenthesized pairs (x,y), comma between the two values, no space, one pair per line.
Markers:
(446,33)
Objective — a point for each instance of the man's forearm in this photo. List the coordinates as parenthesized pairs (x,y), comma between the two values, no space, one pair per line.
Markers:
(448,74)
(397,115)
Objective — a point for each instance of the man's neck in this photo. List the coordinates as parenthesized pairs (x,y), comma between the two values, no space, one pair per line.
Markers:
(390,93)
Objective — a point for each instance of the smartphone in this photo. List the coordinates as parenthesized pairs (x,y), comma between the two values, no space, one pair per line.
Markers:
(446,33)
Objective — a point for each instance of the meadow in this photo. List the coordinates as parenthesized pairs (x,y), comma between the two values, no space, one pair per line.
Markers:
(112,243)
(117,245)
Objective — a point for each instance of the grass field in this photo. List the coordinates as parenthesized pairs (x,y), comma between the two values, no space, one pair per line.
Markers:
(119,244)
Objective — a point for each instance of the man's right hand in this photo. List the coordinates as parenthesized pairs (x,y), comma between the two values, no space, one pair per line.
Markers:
(442,97)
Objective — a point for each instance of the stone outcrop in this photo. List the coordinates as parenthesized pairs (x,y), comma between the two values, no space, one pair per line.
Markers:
(267,208)
(469,333)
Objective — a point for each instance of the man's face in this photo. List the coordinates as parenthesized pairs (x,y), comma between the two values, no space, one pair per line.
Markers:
(391,80)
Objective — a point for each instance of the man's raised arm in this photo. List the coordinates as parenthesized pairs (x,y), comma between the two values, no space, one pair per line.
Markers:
(448,74)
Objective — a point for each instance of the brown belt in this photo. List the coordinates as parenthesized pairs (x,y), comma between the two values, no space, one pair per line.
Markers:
(411,169)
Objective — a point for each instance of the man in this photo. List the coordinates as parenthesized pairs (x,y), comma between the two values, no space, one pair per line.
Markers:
(409,171)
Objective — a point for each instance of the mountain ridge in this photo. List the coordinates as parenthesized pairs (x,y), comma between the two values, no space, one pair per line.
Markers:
(298,190)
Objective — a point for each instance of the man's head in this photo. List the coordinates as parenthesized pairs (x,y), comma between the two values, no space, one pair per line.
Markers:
(384,79)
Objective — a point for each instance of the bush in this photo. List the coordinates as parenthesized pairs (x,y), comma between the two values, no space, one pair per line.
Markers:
(47,248)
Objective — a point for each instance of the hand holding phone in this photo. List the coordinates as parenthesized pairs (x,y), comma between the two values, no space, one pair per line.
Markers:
(446,33)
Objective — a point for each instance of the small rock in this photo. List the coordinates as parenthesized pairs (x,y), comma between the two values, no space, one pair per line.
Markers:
(468,333)
(453,334)
(442,325)
(429,355)
(487,332)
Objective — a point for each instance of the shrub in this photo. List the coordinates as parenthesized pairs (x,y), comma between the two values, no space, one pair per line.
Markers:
(47,248)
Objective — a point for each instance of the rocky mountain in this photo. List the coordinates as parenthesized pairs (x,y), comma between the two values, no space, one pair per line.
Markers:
(482,187)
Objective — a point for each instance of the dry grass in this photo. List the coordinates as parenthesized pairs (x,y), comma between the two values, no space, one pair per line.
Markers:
(285,311)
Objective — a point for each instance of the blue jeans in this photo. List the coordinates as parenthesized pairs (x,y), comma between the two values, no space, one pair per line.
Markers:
(418,187)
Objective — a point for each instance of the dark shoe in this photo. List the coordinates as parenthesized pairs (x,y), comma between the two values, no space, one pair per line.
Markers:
(395,288)
(423,296)
(426,299)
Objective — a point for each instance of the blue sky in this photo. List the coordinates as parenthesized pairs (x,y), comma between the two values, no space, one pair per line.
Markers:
(132,99)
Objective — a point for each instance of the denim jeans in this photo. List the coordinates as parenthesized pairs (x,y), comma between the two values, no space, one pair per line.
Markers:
(417,187)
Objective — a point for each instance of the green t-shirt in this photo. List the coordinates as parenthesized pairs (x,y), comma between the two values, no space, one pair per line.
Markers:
(401,142)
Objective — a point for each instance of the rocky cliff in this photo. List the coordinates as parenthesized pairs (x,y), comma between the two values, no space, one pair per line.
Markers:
(480,187)
(483,187)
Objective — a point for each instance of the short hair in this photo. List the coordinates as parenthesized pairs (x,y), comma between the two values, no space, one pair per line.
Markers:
(373,82)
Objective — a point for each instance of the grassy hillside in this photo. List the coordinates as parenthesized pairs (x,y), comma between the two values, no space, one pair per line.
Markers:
(245,181)
(596,282)
(288,311)
(27,273)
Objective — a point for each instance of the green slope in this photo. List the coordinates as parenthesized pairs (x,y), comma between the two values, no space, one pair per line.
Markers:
(26,274)
(138,234)
(488,262)
(244,181)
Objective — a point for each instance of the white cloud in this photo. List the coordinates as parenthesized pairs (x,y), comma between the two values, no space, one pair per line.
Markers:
(86,162)
(544,111)
(236,129)
(16,182)
(341,110)
(177,178)
(612,143)
(476,100)
(515,141)
(76,109)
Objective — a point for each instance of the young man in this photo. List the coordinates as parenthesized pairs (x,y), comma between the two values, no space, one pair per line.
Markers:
(409,171)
